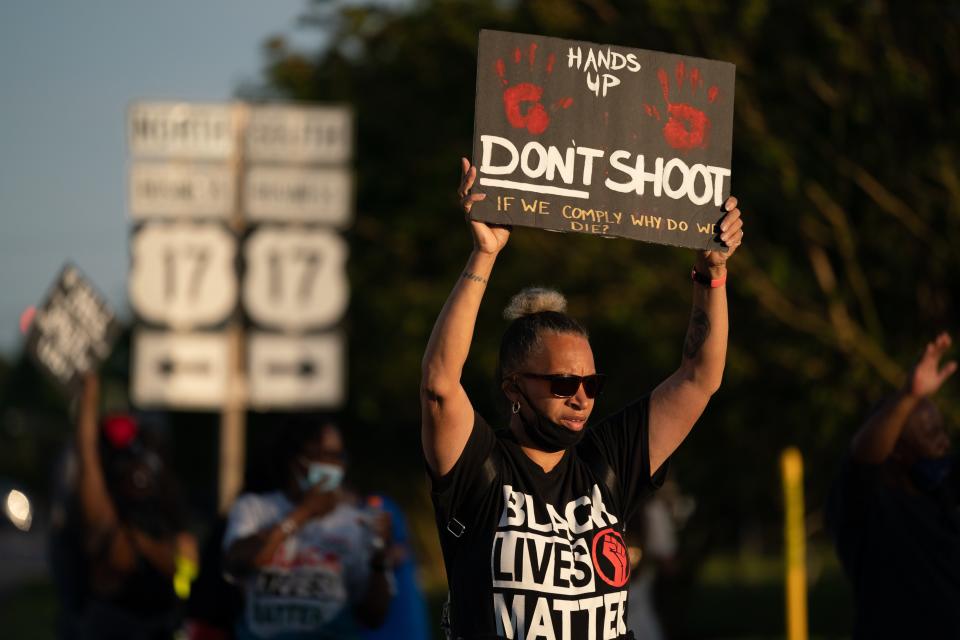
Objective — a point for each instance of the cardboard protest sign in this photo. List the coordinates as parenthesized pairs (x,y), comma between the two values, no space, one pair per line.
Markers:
(73,331)
(601,139)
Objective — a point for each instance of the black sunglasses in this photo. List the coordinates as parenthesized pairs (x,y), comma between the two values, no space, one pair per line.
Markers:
(563,385)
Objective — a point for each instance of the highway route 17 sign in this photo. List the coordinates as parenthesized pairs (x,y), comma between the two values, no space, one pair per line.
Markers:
(183,274)
(296,278)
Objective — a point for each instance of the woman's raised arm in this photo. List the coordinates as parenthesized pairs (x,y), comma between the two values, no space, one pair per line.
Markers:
(446,411)
(677,402)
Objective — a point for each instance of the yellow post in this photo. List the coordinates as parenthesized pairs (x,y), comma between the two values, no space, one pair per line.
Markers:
(791,471)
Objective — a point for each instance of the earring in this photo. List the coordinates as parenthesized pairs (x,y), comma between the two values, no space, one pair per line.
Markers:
(515,407)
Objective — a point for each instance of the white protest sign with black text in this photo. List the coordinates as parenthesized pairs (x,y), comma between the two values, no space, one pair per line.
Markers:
(183,274)
(73,331)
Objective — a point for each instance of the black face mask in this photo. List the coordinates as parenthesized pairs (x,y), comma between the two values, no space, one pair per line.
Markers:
(546,434)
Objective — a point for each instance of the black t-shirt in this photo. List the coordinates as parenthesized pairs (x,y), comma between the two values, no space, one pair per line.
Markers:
(900,548)
(542,555)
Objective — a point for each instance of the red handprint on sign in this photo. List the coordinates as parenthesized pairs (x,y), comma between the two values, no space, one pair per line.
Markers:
(522,103)
(687,127)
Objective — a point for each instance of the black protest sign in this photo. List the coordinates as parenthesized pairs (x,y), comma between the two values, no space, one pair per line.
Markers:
(73,331)
(601,139)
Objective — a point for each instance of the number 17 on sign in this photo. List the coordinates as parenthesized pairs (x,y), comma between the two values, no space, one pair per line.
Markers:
(295,278)
(183,274)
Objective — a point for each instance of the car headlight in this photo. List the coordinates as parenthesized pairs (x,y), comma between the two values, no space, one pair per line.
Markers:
(17,507)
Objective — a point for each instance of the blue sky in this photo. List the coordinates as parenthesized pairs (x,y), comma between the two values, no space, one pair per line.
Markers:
(68,70)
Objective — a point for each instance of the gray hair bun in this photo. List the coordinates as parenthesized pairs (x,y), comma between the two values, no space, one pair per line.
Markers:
(534,300)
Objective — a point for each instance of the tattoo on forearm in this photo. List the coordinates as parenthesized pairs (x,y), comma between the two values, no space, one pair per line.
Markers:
(697,333)
(474,277)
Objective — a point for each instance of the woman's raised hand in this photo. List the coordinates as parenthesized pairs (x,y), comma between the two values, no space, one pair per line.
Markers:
(731,234)
(928,375)
(487,238)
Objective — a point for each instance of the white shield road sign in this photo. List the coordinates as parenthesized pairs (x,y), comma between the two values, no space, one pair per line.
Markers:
(181,190)
(183,274)
(291,135)
(296,278)
(294,371)
(291,194)
(180,370)
(182,130)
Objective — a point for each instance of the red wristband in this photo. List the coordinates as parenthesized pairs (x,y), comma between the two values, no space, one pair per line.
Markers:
(706,281)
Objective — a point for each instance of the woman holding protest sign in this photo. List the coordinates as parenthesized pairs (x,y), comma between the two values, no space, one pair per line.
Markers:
(531,517)
(121,551)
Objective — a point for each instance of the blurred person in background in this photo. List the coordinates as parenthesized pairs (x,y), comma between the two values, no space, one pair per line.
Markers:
(214,603)
(311,564)
(531,517)
(407,614)
(894,512)
(652,540)
(122,535)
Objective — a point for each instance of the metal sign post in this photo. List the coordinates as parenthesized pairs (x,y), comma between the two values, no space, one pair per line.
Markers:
(233,423)
(233,417)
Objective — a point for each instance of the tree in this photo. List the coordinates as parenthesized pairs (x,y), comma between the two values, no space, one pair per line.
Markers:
(845,162)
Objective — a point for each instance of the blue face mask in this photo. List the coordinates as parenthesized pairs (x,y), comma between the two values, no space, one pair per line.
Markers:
(321,476)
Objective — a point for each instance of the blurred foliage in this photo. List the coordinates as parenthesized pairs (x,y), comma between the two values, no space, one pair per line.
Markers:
(32,427)
(845,162)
